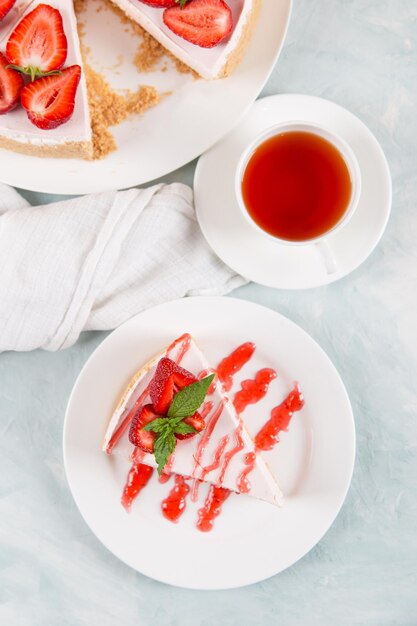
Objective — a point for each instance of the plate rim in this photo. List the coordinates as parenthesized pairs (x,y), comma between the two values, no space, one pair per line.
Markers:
(340,499)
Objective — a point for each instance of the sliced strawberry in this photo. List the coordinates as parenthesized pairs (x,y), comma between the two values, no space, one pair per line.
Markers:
(5,6)
(204,23)
(160,4)
(168,379)
(143,439)
(38,43)
(197,422)
(11,84)
(49,101)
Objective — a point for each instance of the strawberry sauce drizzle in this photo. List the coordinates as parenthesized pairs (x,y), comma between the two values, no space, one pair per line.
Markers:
(253,391)
(166,474)
(194,490)
(174,505)
(229,455)
(137,455)
(205,438)
(138,477)
(280,418)
(233,363)
(204,374)
(184,341)
(242,482)
(212,507)
(206,409)
(126,421)
(218,453)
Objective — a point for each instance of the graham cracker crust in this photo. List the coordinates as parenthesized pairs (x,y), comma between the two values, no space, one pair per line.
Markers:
(69,150)
(235,57)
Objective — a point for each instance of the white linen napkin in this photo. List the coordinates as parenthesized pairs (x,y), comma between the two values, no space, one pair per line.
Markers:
(91,263)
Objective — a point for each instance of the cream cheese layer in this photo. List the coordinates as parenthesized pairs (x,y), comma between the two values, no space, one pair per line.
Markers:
(15,124)
(208,62)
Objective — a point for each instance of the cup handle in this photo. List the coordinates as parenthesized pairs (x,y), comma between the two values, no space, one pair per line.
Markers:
(327,256)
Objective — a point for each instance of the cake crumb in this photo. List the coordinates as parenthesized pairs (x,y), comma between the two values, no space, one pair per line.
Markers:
(182,68)
(109,108)
(149,53)
(79,6)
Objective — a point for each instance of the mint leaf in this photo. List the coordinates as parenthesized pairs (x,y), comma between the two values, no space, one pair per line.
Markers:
(163,447)
(184,429)
(174,421)
(187,401)
(157,425)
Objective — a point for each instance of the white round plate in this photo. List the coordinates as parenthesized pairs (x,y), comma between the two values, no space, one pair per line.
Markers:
(271,263)
(195,115)
(251,540)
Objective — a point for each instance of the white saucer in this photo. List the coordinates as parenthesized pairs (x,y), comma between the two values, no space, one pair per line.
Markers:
(268,262)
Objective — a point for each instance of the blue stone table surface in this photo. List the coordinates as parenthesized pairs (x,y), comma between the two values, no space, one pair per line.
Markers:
(53,571)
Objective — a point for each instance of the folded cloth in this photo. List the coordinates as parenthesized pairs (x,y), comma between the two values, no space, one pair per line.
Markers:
(91,263)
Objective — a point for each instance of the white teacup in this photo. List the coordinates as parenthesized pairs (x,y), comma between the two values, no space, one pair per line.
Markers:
(351,163)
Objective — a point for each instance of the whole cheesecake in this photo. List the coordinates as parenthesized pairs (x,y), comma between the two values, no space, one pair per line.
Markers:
(208,36)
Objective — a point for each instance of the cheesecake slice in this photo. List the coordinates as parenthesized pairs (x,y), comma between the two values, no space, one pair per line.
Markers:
(222,454)
(215,62)
(72,139)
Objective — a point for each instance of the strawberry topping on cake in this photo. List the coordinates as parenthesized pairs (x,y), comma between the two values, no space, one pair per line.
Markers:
(204,23)
(38,44)
(11,84)
(50,101)
(168,379)
(176,395)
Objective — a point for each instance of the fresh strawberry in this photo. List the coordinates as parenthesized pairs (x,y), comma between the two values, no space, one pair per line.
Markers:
(197,422)
(160,4)
(11,84)
(38,44)
(204,23)
(168,379)
(143,439)
(5,6)
(49,101)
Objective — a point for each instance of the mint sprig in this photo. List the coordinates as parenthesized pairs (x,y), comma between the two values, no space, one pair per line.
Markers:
(185,403)
(164,446)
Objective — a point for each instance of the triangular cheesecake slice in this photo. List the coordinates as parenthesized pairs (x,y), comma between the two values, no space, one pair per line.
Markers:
(222,454)
(214,62)
(72,139)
